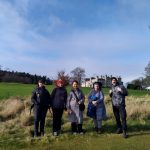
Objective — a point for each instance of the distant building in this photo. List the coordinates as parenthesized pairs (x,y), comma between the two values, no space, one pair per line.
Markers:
(105,80)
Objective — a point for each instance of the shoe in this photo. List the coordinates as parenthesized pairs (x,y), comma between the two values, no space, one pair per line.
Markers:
(42,134)
(74,133)
(55,133)
(125,134)
(81,133)
(99,130)
(96,129)
(59,131)
(119,131)
(36,134)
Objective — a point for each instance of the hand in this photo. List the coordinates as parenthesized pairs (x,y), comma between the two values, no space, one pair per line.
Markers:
(110,91)
(65,108)
(79,102)
(119,89)
(94,103)
(69,111)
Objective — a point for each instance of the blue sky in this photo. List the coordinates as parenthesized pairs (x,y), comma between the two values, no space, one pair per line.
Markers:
(102,36)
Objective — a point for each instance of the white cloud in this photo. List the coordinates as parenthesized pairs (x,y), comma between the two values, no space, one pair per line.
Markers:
(91,49)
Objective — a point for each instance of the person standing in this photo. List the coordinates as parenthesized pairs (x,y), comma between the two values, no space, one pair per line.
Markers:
(75,100)
(58,103)
(41,101)
(96,106)
(118,93)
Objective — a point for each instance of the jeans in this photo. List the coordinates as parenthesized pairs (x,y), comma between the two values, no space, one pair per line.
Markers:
(57,116)
(120,116)
(39,119)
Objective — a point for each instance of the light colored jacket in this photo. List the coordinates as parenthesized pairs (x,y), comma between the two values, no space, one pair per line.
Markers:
(76,115)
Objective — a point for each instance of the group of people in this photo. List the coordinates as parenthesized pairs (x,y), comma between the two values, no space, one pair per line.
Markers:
(73,102)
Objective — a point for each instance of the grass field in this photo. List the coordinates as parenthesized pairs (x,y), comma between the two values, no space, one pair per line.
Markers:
(16,124)
(22,90)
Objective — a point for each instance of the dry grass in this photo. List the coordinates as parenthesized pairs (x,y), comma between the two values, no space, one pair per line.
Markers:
(10,109)
(15,113)
(138,108)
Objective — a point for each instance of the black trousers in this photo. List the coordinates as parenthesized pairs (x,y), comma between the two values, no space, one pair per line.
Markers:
(39,119)
(57,116)
(120,116)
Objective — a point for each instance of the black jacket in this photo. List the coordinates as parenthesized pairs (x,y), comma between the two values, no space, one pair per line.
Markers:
(41,97)
(59,97)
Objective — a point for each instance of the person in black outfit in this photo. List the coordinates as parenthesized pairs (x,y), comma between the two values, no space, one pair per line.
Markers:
(118,93)
(59,99)
(41,100)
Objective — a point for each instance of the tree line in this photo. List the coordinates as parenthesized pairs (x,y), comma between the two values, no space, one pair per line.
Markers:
(141,82)
(21,77)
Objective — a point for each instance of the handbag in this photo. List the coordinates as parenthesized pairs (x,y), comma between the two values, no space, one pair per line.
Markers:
(91,111)
(81,106)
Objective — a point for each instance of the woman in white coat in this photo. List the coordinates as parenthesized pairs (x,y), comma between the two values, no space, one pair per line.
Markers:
(75,98)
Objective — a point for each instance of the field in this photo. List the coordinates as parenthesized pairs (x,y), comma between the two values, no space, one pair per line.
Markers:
(16,124)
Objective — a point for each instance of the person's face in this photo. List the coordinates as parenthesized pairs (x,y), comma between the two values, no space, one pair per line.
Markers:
(41,84)
(114,82)
(96,87)
(60,84)
(75,85)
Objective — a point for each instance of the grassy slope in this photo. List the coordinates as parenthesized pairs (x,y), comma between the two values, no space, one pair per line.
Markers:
(139,131)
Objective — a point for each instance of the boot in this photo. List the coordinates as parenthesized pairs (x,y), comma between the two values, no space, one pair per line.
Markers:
(74,128)
(36,134)
(80,130)
(99,130)
(119,131)
(125,134)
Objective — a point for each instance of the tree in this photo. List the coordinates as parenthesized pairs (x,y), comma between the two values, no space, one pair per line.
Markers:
(147,74)
(63,76)
(78,74)
(147,70)
(136,84)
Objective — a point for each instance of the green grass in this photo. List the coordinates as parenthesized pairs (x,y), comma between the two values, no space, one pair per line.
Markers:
(22,90)
(139,136)
(18,138)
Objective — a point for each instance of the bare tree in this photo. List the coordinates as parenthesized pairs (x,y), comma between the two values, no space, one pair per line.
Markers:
(63,76)
(78,74)
(147,70)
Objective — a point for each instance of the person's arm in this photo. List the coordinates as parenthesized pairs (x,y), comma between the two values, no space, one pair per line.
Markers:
(53,94)
(123,91)
(89,97)
(82,98)
(110,93)
(68,101)
(65,97)
(49,99)
(101,97)
(34,97)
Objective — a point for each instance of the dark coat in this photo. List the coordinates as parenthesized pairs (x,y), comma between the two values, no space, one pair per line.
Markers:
(41,97)
(118,98)
(59,97)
